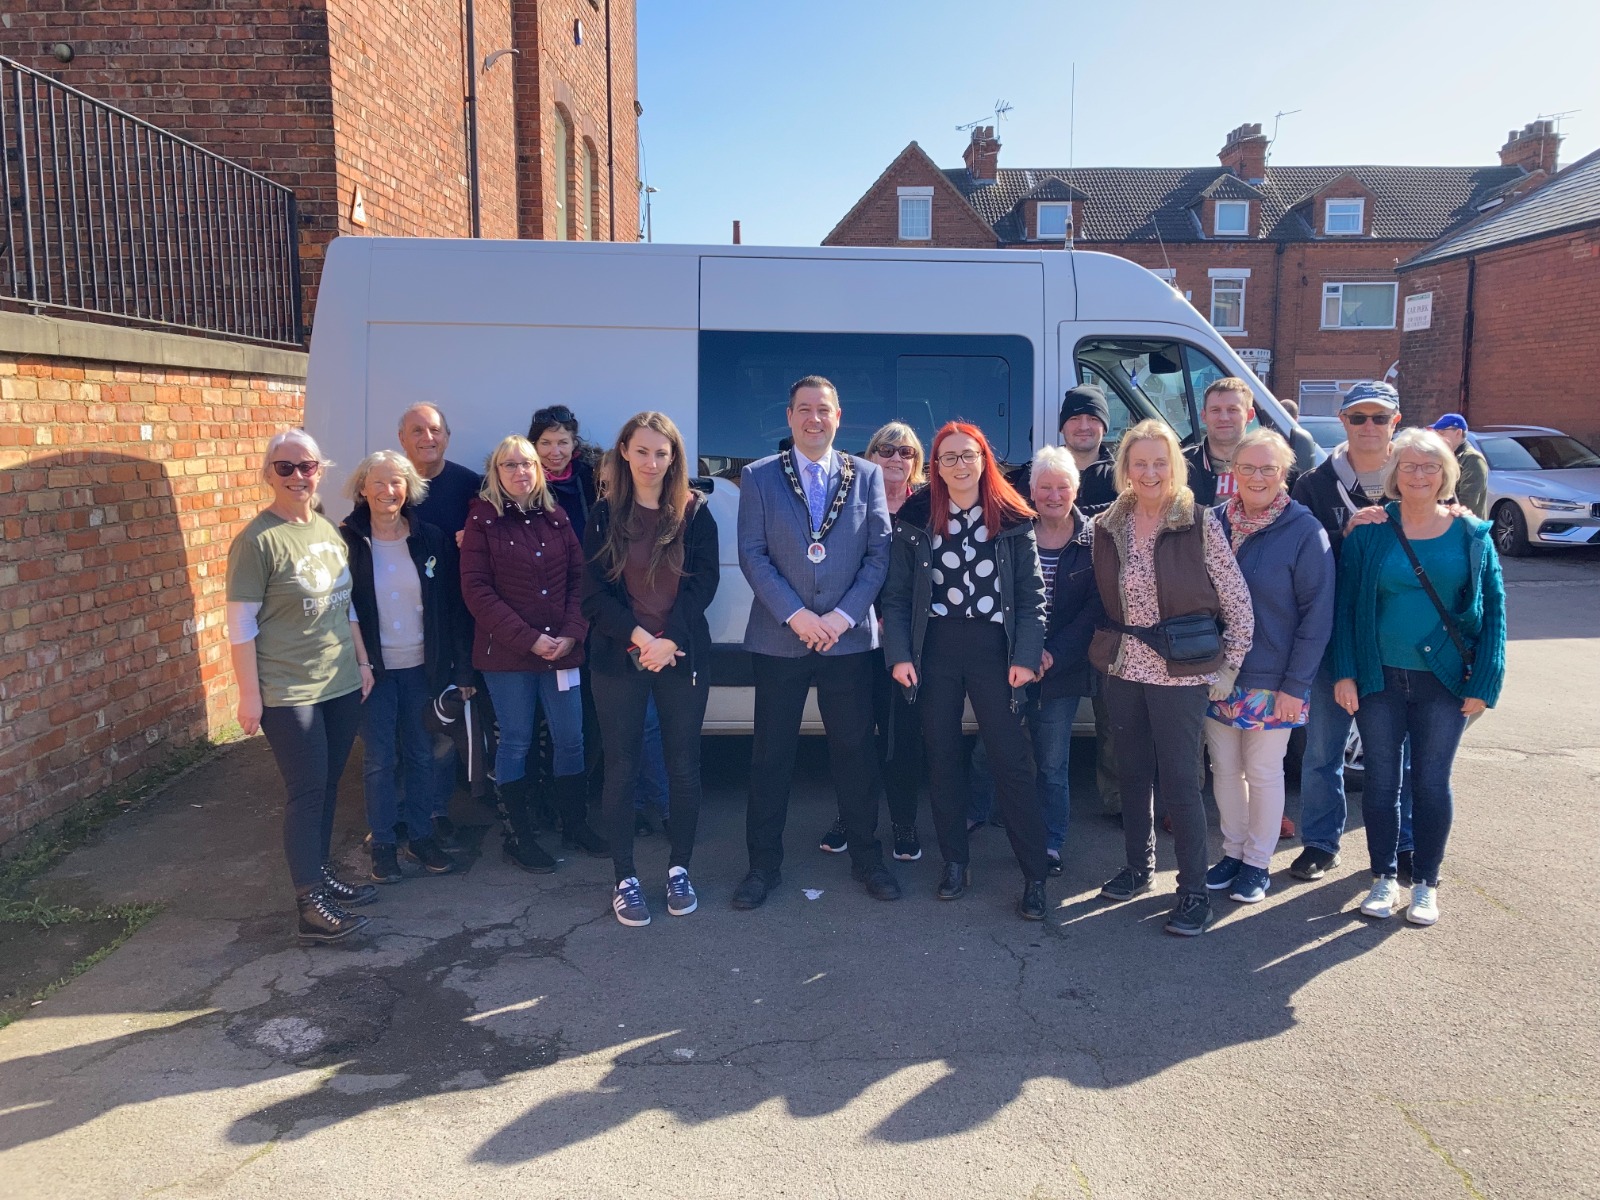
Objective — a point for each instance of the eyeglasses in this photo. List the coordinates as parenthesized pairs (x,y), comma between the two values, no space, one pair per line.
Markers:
(1416,468)
(966,458)
(1271,471)
(1363,418)
(515,464)
(284,469)
(888,451)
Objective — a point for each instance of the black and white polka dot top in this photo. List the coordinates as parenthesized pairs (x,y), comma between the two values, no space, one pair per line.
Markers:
(965,581)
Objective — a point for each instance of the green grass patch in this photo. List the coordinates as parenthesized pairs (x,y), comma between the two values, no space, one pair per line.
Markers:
(41,920)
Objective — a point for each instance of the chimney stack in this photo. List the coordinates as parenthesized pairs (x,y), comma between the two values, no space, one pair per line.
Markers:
(1245,153)
(982,155)
(1533,148)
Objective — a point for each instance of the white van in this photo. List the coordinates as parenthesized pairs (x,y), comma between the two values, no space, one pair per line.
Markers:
(714,335)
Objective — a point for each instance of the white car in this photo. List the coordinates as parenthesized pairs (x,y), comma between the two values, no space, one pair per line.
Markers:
(1544,487)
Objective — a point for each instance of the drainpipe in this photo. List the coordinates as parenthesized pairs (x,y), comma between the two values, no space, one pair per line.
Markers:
(473,197)
(1464,391)
(611,142)
(1277,301)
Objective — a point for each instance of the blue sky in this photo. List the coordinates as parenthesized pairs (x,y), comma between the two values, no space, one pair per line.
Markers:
(781,115)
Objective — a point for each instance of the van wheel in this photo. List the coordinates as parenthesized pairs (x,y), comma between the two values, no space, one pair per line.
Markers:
(1510,531)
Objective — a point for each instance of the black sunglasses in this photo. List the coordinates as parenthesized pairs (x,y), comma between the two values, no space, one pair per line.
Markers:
(285,469)
(888,451)
(1375,418)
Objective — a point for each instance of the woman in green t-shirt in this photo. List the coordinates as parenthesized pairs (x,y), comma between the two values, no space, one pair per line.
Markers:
(302,670)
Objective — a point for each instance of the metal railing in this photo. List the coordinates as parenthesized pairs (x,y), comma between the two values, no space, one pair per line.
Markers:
(108,214)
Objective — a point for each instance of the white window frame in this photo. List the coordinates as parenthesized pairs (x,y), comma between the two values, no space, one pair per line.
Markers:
(1216,219)
(1330,290)
(1038,223)
(1223,275)
(1170,274)
(1360,214)
(915,198)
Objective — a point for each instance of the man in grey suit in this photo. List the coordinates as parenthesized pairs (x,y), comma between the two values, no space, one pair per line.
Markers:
(814,544)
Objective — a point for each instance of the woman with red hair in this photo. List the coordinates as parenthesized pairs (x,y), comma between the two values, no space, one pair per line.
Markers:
(964,618)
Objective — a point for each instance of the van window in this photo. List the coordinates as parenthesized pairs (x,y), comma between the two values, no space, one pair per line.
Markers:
(1152,378)
(921,379)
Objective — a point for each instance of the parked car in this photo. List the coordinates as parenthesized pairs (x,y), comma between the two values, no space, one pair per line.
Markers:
(1327,432)
(1544,487)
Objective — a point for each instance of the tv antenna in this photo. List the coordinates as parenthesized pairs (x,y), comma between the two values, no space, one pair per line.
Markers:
(1558,117)
(1001,108)
(1277,120)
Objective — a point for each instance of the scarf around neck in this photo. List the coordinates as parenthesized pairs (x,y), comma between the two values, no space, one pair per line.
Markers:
(1241,526)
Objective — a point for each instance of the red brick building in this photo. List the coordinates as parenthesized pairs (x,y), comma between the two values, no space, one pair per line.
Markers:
(1295,266)
(340,97)
(1502,320)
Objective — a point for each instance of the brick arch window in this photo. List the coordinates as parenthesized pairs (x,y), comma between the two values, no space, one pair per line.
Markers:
(563,188)
(589,192)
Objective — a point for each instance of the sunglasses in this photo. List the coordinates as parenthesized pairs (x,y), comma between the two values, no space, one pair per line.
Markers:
(285,469)
(887,451)
(1375,418)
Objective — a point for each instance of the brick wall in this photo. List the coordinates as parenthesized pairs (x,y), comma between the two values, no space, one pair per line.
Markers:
(121,486)
(875,219)
(1536,337)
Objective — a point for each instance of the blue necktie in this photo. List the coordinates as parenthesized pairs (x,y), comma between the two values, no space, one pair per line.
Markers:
(816,495)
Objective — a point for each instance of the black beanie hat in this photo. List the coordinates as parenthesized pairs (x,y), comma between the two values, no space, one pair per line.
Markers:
(1085,398)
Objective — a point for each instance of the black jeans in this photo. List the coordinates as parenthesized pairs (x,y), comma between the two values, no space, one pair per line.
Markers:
(899,747)
(620,702)
(844,698)
(1158,733)
(311,743)
(963,658)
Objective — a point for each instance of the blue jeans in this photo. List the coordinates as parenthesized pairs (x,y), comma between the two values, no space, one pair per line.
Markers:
(1322,798)
(1412,704)
(518,698)
(651,790)
(1050,722)
(391,732)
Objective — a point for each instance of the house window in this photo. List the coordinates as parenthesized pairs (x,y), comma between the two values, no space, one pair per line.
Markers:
(1358,305)
(1232,218)
(1055,218)
(563,156)
(586,194)
(1343,217)
(1227,303)
(916,214)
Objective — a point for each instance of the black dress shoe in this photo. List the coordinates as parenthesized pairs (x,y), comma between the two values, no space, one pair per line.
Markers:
(1031,906)
(753,888)
(954,881)
(881,885)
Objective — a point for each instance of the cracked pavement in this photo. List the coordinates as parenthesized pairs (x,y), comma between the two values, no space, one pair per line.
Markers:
(499,1034)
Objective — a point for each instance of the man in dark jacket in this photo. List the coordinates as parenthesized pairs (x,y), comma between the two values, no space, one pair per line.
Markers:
(1084,422)
(1472,490)
(1226,412)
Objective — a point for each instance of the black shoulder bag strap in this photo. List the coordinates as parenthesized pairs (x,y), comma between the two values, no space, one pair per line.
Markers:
(1467,653)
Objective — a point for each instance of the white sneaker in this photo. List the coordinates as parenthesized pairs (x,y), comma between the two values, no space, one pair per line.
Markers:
(1380,901)
(1424,908)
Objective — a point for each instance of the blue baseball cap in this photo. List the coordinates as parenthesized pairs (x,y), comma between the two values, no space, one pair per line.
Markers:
(1371,393)
(1450,421)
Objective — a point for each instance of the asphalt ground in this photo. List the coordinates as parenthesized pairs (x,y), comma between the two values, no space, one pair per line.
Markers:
(498,1034)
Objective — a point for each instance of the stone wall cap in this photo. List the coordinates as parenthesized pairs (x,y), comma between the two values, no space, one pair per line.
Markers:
(59,337)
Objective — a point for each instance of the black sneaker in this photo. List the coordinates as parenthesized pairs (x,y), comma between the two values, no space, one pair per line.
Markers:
(880,884)
(347,895)
(321,920)
(956,879)
(582,837)
(444,832)
(753,888)
(1403,874)
(1127,883)
(1032,905)
(385,866)
(434,860)
(834,841)
(1313,864)
(1191,918)
(906,846)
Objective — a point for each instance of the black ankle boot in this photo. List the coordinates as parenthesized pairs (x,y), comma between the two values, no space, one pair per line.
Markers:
(346,895)
(572,802)
(517,839)
(322,920)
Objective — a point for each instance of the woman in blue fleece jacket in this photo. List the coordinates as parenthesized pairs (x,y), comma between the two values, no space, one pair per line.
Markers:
(1401,669)
(1285,558)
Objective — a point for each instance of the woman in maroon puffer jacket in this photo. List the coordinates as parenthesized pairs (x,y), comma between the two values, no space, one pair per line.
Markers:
(522,578)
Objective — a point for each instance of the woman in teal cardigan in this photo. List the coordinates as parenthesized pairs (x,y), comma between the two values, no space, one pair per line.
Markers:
(1403,670)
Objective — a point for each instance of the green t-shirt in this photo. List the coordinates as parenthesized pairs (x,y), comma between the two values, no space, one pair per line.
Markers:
(300,576)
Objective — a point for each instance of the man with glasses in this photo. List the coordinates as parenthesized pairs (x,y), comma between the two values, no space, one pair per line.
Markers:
(1350,480)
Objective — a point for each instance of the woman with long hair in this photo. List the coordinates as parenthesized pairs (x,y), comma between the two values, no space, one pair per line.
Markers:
(652,569)
(407,597)
(302,671)
(964,618)
(522,578)
(1159,556)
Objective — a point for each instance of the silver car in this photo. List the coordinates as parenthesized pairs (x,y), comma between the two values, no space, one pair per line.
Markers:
(1544,487)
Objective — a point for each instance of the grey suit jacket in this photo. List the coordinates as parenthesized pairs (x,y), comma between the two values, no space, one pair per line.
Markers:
(774,531)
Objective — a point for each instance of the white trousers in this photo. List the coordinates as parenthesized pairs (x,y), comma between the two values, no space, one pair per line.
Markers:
(1247,779)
